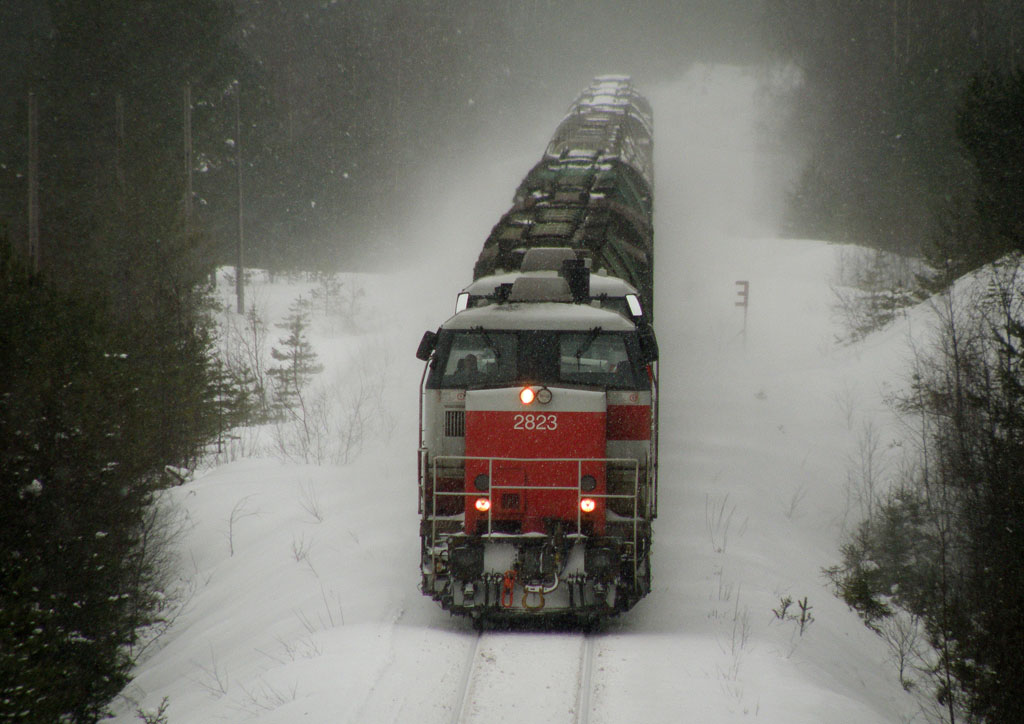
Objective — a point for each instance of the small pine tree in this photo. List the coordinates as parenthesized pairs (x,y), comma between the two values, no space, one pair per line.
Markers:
(326,296)
(298,360)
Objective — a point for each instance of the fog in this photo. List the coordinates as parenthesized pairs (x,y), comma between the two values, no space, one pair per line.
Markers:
(426,86)
(348,110)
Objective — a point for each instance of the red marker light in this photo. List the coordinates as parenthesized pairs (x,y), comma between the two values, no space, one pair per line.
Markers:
(482,504)
(588,505)
(527,395)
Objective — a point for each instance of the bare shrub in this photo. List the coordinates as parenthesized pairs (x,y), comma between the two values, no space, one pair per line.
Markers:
(334,420)
(244,351)
(872,287)
(718,520)
(154,565)
(866,474)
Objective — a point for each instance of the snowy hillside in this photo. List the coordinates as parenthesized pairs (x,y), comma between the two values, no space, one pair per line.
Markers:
(301,580)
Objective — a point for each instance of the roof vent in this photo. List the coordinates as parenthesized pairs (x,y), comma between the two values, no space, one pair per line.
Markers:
(540,289)
(546,258)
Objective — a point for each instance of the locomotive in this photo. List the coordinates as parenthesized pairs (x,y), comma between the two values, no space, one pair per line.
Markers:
(537,459)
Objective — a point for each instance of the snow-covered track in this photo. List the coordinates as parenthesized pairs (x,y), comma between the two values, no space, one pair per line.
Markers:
(526,676)
(465,690)
(585,680)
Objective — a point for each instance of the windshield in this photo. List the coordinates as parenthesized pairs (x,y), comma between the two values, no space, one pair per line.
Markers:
(490,358)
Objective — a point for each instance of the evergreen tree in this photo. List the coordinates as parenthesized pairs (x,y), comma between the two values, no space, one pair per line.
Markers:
(990,124)
(948,545)
(108,363)
(875,111)
(76,485)
(298,360)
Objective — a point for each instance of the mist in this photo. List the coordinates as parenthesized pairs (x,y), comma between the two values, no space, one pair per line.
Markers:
(348,109)
(425,86)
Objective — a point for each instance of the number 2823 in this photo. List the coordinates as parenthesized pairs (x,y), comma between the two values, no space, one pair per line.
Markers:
(535,422)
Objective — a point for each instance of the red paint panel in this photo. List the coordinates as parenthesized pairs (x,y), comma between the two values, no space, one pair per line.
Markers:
(538,437)
(535,434)
(629,422)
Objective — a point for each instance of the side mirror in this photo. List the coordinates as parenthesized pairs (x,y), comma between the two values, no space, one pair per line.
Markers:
(427,345)
(648,343)
(462,302)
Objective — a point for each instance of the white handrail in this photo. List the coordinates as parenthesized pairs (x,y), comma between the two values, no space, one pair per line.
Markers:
(580,494)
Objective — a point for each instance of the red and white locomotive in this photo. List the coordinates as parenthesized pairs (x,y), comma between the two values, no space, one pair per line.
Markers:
(538,424)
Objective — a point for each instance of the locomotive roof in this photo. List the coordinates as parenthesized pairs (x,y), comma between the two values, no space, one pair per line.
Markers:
(540,315)
(599,284)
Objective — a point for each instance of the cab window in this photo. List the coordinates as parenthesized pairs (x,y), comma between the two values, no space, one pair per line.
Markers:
(593,358)
(477,358)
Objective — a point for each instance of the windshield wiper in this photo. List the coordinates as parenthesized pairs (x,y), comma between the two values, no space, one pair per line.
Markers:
(594,333)
(490,342)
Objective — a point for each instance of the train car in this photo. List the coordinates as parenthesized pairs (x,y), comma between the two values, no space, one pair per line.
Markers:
(539,401)
(538,458)
(592,190)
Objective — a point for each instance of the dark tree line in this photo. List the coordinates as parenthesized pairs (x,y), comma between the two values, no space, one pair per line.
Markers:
(990,125)
(109,373)
(913,116)
(946,544)
(884,83)
(86,430)
(343,104)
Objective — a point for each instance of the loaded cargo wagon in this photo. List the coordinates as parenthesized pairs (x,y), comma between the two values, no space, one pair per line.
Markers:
(591,191)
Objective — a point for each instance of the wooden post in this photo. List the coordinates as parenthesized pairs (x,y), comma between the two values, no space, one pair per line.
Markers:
(33,183)
(744,301)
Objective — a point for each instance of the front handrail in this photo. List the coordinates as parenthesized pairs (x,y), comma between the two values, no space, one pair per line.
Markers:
(580,493)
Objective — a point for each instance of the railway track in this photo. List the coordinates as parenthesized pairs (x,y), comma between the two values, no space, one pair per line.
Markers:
(585,680)
(520,676)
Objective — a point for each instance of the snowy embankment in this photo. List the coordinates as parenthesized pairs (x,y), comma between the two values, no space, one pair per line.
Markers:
(302,579)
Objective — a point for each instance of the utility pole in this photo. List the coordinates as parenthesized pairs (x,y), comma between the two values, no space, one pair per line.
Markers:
(239,263)
(187,132)
(122,185)
(33,183)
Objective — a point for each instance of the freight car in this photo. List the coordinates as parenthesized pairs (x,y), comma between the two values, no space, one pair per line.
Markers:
(591,191)
(538,411)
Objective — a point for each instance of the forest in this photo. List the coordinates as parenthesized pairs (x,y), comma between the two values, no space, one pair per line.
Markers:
(911,116)
(141,141)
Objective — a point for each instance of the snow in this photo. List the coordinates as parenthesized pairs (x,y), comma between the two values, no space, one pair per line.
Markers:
(545,315)
(301,580)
